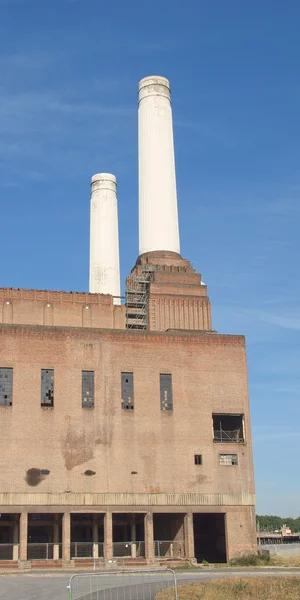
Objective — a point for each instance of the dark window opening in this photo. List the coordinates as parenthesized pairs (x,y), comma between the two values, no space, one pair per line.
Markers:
(228,460)
(228,428)
(127,398)
(166,400)
(47,391)
(6,378)
(198,459)
(87,389)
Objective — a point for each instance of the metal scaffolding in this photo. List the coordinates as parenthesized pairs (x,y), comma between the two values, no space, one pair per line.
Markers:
(137,300)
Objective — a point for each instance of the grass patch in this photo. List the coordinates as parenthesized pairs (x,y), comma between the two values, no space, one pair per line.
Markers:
(254,588)
(250,560)
(285,561)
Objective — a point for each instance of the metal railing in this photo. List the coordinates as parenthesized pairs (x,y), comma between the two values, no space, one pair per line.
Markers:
(6,551)
(43,551)
(169,549)
(129,549)
(235,436)
(87,550)
(123,585)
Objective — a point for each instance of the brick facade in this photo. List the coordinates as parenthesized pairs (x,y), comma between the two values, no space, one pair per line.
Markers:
(105,459)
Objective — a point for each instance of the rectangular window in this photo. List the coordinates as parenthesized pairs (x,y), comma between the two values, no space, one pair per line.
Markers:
(127,398)
(166,401)
(87,389)
(6,377)
(198,459)
(228,460)
(47,388)
(228,428)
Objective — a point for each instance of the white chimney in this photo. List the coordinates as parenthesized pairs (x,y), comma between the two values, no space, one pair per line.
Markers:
(158,215)
(104,237)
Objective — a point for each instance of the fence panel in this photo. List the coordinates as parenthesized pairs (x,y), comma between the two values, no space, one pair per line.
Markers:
(86,550)
(129,549)
(140,584)
(169,549)
(43,551)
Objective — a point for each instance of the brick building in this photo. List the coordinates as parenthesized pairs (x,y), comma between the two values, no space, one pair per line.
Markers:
(124,428)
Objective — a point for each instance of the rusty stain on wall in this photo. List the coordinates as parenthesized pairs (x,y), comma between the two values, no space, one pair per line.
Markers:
(76,448)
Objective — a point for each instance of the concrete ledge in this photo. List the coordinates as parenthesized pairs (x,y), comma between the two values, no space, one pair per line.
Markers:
(103,501)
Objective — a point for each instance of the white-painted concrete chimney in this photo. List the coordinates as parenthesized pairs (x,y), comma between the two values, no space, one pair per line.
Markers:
(158,214)
(104,237)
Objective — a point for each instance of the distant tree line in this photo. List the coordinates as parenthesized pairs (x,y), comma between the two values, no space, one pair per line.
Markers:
(271,522)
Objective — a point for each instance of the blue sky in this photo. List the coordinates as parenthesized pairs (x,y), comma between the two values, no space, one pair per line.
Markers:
(68,94)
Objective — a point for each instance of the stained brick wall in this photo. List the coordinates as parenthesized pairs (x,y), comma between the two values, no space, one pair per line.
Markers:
(143,450)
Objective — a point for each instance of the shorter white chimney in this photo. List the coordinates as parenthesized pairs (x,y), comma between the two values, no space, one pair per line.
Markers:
(104,237)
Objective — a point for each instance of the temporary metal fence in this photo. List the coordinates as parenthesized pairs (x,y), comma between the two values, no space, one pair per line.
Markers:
(6,551)
(87,549)
(129,549)
(130,584)
(169,548)
(43,551)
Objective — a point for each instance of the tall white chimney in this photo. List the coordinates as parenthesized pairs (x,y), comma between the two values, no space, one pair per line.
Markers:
(158,215)
(104,237)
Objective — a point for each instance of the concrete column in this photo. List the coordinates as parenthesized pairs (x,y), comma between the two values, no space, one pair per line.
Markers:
(104,237)
(23,537)
(55,537)
(133,537)
(16,538)
(158,218)
(95,536)
(108,536)
(189,546)
(149,536)
(66,536)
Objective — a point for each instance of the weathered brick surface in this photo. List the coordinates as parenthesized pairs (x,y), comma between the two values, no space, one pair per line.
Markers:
(69,309)
(128,454)
(208,375)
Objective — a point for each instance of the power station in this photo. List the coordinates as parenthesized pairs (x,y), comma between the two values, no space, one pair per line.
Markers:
(124,422)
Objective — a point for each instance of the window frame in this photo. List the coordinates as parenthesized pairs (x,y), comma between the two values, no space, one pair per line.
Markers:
(166,405)
(89,403)
(127,403)
(51,403)
(228,464)
(11,383)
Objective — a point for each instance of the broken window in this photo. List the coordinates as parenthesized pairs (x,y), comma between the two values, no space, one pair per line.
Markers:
(6,376)
(228,428)
(166,401)
(88,389)
(127,391)
(228,460)
(47,395)
(198,459)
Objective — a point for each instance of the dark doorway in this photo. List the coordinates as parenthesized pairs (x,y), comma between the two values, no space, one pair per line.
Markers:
(209,536)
